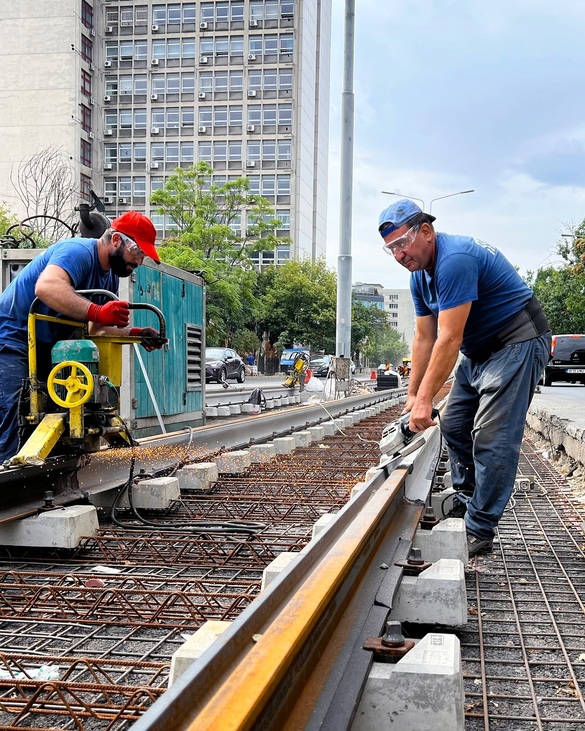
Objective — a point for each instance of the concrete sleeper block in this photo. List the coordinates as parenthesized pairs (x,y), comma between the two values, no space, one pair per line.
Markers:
(423,690)
(448,539)
(195,646)
(275,567)
(262,453)
(197,476)
(302,438)
(284,445)
(233,463)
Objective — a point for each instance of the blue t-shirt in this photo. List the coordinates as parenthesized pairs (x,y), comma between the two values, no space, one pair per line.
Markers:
(467,270)
(79,258)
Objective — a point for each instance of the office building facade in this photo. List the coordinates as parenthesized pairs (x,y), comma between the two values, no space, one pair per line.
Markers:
(129,91)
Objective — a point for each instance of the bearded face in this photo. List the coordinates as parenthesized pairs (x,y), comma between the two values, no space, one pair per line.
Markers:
(118,263)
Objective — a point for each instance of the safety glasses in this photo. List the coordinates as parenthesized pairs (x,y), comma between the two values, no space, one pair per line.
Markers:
(132,247)
(401,243)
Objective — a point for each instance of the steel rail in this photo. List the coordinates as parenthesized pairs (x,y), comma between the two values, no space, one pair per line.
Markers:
(240,394)
(109,469)
(273,666)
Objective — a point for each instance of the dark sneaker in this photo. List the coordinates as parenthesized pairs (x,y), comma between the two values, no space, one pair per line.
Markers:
(476,546)
(458,510)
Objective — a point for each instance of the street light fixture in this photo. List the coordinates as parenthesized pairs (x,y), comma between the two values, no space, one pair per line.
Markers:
(461,192)
(401,195)
(411,197)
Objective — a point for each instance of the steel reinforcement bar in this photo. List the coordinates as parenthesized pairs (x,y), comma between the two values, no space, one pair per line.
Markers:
(294,658)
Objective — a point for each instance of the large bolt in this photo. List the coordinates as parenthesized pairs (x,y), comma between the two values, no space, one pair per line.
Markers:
(393,636)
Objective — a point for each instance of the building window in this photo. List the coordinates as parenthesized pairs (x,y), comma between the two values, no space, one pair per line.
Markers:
(86,14)
(86,83)
(85,118)
(284,217)
(86,49)
(85,153)
(139,186)
(85,186)
(187,149)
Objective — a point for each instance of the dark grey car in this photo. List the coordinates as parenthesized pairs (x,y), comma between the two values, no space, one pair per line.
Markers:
(223,363)
(568,360)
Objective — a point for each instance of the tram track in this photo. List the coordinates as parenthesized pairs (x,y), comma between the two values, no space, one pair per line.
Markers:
(111,613)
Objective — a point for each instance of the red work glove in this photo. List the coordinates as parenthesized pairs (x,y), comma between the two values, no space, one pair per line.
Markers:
(115,312)
(150,338)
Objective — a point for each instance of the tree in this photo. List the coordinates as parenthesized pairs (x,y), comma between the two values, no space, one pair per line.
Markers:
(45,186)
(218,229)
(298,305)
(561,290)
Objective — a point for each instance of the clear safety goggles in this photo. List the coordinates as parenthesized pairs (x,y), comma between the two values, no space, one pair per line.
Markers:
(132,247)
(401,243)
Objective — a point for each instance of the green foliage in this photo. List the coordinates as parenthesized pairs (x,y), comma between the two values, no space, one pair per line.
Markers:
(561,290)
(298,300)
(207,217)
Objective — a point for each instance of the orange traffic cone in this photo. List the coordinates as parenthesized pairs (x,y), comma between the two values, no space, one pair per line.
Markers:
(373,376)
(308,375)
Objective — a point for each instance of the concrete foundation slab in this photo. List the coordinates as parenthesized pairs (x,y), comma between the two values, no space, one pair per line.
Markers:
(233,463)
(154,494)
(422,692)
(436,596)
(59,528)
(284,445)
(262,453)
(448,539)
(194,647)
(197,476)
(275,567)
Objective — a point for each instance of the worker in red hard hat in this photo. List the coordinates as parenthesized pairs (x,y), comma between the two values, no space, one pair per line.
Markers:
(54,276)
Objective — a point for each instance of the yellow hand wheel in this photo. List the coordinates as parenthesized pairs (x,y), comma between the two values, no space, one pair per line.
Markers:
(78,390)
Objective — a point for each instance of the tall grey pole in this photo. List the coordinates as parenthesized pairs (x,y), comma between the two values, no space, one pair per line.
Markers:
(344,265)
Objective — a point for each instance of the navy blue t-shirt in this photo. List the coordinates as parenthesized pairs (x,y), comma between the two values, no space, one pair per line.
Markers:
(79,258)
(468,270)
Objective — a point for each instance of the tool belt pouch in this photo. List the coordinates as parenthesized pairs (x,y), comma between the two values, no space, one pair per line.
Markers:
(528,324)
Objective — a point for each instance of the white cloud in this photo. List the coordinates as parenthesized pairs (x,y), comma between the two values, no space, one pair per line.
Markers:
(451,96)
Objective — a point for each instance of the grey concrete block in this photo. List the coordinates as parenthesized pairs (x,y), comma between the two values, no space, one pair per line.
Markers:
(328,428)
(197,476)
(275,567)
(322,524)
(194,647)
(262,453)
(59,528)
(448,539)
(211,411)
(284,445)
(302,438)
(155,494)
(317,433)
(223,411)
(233,463)
(235,409)
(422,692)
(436,596)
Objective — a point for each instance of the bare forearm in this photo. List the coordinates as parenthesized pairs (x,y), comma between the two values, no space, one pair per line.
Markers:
(443,358)
(63,299)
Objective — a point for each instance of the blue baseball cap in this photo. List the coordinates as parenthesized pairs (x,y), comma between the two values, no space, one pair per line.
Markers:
(398,214)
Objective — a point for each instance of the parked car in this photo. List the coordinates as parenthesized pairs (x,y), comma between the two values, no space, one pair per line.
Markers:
(320,365)
(568,360)
(223,363)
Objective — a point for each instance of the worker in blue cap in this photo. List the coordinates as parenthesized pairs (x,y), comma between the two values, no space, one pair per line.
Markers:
(469,299)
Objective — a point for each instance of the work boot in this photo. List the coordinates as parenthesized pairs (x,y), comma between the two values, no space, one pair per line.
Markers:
(458,509)
(477,546)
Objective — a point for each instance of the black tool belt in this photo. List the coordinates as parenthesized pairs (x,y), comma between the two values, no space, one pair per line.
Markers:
(528,324)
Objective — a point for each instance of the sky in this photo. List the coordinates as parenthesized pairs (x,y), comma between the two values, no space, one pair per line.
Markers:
(453,95)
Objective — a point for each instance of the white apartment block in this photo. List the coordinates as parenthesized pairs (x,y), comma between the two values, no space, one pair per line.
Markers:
(130,90)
